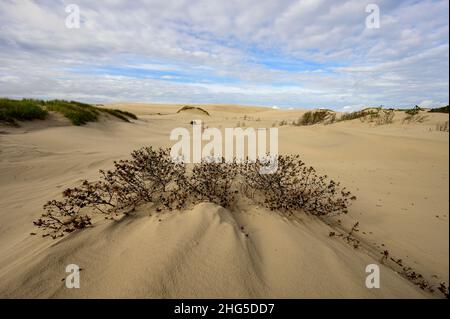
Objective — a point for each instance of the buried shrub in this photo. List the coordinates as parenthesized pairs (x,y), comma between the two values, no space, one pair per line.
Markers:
(294,186)
(151,176)
(214,182)
(145,178)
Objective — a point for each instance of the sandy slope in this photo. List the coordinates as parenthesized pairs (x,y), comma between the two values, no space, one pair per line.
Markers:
(399,173)
(203,253)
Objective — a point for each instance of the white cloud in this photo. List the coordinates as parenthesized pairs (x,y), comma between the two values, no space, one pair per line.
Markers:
(352,108)
(204,51)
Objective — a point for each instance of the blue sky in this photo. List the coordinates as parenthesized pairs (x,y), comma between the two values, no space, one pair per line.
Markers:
(302,53)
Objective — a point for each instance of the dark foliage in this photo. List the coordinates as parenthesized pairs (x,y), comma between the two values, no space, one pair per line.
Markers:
(414,111)
(151,176)
(193,108)
(443,109)
(294,186)
(214,182)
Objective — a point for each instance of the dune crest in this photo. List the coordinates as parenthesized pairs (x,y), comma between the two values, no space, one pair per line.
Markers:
(193,110)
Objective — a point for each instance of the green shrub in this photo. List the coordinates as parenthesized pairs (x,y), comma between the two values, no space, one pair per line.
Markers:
(12,111)
(443,109)
(77,113)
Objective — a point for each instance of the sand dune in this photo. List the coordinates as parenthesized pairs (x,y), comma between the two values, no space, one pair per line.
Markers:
(203,253)
(399,173)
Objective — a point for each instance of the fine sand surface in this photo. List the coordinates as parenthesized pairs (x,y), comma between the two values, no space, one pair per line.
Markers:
(399,172)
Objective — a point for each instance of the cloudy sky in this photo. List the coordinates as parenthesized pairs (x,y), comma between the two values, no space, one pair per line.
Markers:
(293,53)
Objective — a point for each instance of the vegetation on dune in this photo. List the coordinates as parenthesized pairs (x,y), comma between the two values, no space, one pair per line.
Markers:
(81,113)
(150,176)
(192,108)
(78,113)
(294,186)
(12,111)
(387,259)
(310,118)
(126,113)
(443,109)
(413,115)
(385,117)
(123,115)
(442,127)
(353,115)
(378,116)
(414,111)
(316,117)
